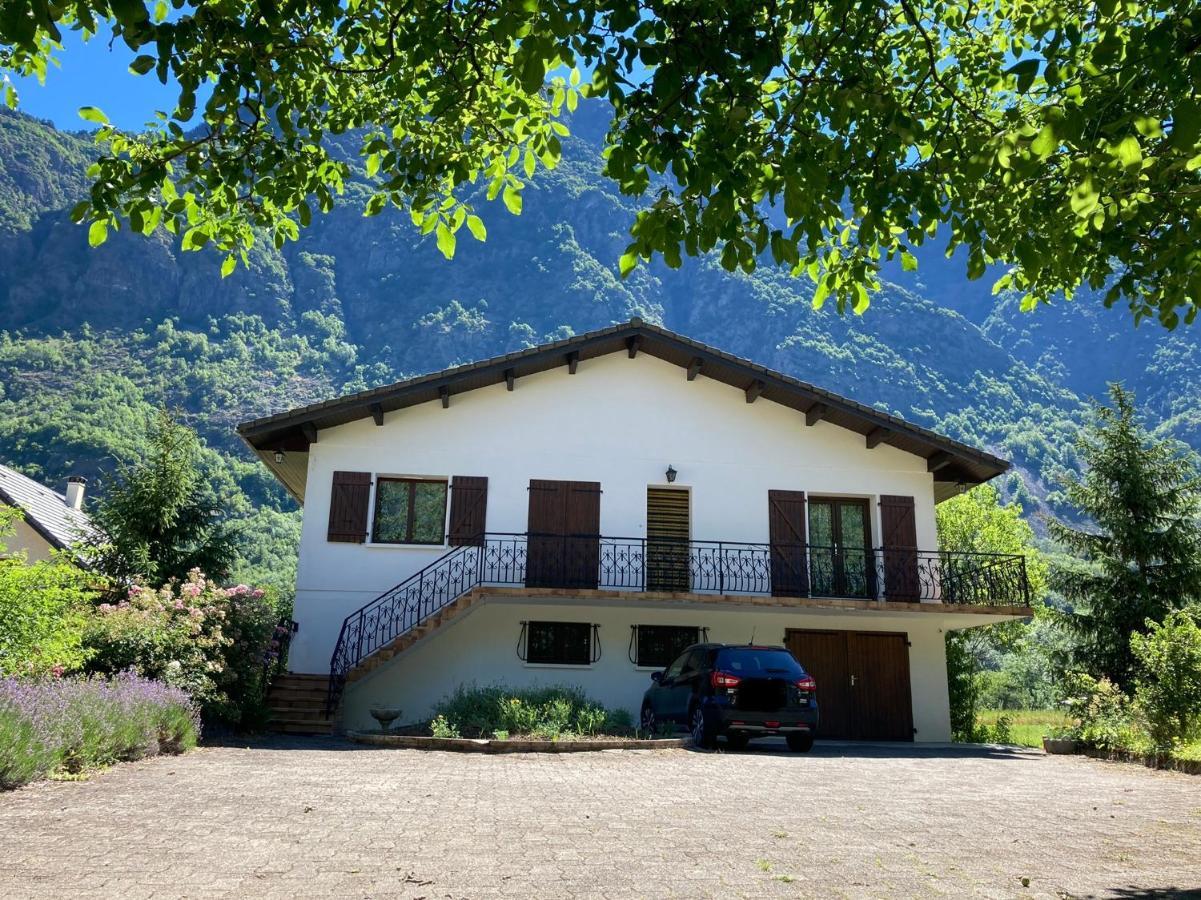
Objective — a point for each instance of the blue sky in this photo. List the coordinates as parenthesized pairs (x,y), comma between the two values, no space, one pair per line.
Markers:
(90,74)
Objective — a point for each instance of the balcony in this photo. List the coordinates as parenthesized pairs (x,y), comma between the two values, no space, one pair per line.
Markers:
(732,567)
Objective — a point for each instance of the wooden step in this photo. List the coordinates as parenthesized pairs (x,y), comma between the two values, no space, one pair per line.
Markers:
(290,726)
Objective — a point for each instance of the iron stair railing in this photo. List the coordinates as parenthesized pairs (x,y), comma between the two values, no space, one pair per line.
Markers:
(642,564)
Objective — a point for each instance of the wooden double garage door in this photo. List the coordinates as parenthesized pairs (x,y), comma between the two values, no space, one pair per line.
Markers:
(862,682)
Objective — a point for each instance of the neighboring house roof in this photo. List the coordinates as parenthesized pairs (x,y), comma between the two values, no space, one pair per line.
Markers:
(951,462)
(45,511)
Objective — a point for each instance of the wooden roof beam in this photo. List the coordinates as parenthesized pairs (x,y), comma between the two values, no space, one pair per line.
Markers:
(309,430)
(694,368)
(632,345)
(444,393)
(754,390)
(377,413)
(573,361)
(510,377)
(816,413)
(938,461)
(876,437)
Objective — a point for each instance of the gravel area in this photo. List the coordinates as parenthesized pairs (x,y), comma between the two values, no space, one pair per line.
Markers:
(319,817)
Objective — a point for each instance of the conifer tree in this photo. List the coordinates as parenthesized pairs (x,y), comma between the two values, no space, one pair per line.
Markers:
(1139,555)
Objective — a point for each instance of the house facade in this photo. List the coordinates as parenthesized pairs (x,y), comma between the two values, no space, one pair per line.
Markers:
(578,512)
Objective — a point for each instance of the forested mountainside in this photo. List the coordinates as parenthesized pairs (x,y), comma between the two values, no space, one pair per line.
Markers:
(94,339)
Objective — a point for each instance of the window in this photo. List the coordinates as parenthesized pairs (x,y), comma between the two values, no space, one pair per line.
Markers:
(409,511)
(559,643)
(658,645)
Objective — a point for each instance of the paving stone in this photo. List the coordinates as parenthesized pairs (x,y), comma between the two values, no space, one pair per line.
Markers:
(317,817)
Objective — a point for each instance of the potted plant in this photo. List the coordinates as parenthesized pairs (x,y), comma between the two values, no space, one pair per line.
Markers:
(1061,741)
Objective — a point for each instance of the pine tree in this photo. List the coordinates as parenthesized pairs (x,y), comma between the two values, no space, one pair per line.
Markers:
(157,520)
(1140,556)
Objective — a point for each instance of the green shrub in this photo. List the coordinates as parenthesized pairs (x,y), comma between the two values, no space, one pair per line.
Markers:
(195,635)
(1168,679)
(1103,715)
(543,712)
(43,610)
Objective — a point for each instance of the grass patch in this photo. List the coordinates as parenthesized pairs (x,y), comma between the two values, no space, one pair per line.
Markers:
(1027,727)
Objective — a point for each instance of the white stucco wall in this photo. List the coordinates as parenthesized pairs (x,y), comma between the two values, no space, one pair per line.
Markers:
(480,647)
(618,421)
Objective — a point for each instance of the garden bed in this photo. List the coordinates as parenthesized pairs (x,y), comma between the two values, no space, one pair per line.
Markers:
(576,744)
(1172,763)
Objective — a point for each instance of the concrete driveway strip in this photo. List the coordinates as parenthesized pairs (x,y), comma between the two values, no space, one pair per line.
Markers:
(321,818)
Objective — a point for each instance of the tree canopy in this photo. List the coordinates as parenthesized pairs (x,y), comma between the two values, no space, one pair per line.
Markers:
(1060,140)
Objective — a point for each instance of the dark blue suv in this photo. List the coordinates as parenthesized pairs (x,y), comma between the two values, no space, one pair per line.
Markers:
(739,691)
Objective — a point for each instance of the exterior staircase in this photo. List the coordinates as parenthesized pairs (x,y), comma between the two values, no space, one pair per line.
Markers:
(403,642)
(298,704)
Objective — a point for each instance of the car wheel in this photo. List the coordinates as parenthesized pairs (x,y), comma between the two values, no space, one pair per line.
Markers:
(703,735)
(737,741)
(647,720)
(800,743)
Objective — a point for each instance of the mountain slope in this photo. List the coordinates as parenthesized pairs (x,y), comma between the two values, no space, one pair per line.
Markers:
(97,338)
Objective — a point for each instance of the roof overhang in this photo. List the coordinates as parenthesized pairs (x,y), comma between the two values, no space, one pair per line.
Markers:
(954,465)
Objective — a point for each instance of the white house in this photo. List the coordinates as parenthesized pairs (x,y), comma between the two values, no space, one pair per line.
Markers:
(49,521)
(577,512)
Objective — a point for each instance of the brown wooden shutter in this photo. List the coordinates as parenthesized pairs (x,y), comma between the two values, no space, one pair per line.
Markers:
(898,526)
(468,510)
(786,534)
(348,502)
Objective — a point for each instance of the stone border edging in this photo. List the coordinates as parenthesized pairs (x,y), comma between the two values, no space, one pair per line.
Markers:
(1185,766)
(487,745)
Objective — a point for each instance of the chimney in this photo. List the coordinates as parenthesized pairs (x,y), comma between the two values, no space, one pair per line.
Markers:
(75,487)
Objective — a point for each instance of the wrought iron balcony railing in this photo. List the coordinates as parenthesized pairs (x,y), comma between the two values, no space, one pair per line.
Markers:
(672,566)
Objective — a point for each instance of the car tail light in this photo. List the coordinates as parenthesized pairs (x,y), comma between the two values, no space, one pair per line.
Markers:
(724,680)
(807,684)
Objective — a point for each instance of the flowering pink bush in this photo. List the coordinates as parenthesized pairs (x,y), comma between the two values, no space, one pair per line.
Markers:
(195,635)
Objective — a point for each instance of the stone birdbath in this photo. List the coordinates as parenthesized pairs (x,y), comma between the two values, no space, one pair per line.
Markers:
(385,715)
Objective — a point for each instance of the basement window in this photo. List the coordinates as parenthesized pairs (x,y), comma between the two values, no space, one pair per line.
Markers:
(559,643)
(655,646)
(409,511)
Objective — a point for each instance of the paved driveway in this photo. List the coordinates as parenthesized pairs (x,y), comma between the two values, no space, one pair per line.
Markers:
(306,818)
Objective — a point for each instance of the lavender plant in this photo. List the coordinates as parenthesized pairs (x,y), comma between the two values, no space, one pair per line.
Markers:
(56,726)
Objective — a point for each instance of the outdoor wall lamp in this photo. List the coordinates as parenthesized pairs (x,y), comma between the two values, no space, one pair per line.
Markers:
(279,457)
(671,473)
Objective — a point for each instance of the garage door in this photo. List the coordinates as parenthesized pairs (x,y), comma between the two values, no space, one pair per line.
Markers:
(862,682)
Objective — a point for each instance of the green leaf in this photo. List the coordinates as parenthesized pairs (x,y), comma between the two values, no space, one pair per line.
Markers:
(512,198)
(626,264)
(446,240)
(1129,152)
(92,114)
(1044,145)
(908,261)
(476,226)
(142,64)
(98,233)
(1025,72)
(1084,199)
(228,266)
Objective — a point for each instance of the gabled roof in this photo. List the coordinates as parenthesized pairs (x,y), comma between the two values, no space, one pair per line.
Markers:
(952,462)
(46,511)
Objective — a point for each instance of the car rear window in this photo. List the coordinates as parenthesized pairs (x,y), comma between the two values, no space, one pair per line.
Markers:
(757,661)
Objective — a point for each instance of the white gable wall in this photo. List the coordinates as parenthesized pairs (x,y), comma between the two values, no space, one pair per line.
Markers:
(618,421)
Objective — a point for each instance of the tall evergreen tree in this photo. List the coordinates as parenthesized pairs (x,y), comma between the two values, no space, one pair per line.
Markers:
(1140,558)
(157,519)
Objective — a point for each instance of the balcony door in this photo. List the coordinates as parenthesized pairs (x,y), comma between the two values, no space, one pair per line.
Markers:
(668,530)
(563,541)
(840,557)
